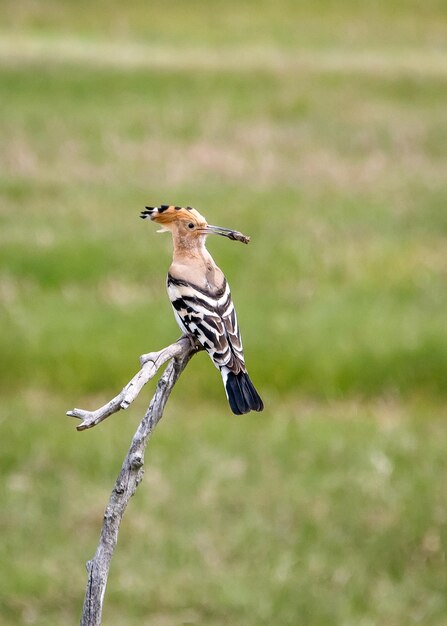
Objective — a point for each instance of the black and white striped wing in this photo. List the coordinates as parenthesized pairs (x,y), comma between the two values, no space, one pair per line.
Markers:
(211,319)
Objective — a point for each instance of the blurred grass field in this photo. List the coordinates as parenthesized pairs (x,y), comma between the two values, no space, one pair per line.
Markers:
(318,128)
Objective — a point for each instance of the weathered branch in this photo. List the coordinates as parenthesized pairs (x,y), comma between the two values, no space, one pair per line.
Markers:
(132,471)
(150,364)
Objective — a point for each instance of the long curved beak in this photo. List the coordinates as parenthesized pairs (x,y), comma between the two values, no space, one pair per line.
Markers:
(225,232)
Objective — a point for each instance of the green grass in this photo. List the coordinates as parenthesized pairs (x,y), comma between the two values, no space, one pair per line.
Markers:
(317,128)
(315,515)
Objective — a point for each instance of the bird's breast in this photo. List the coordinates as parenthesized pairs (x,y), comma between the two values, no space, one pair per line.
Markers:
(203,275)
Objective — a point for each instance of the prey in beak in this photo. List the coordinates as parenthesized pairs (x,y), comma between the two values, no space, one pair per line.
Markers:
(234,235)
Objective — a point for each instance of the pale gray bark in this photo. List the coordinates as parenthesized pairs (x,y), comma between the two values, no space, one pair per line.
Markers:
(132,471)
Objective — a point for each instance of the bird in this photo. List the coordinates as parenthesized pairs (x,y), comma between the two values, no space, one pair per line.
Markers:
(201,299)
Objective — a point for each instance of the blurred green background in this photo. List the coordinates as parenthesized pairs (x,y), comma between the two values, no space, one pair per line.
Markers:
(320,129)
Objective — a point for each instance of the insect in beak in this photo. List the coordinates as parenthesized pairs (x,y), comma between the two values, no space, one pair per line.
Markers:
(234,235)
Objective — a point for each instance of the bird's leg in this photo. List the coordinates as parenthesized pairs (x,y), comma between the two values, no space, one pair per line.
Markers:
(195,345)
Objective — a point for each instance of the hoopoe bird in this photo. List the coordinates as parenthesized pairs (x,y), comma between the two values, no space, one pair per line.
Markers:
(201,299)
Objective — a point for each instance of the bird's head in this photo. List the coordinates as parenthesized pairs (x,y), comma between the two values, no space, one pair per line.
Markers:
(187,223)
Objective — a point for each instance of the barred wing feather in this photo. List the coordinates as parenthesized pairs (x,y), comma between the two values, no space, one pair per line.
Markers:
(211,319)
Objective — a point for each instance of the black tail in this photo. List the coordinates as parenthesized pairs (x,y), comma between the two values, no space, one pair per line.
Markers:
(241,394)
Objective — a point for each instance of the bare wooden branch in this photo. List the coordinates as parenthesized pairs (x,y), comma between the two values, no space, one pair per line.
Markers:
(150,363)
(132,471)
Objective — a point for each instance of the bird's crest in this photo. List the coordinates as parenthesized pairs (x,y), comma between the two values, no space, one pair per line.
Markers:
(165,214)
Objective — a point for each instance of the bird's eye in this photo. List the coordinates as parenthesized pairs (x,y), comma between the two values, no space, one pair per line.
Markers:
(190,225)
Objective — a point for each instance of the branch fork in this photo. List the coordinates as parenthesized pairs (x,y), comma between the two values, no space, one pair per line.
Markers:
(150,364)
